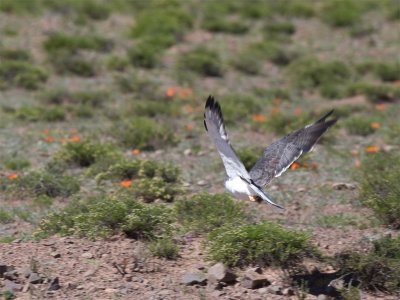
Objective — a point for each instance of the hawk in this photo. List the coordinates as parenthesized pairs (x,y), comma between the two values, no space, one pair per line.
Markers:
(275,159)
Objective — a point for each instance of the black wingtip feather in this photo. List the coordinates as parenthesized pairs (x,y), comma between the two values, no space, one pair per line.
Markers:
(214,106)
(326,116)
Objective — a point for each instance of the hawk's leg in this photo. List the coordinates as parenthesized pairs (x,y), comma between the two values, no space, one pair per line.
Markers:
(255,198)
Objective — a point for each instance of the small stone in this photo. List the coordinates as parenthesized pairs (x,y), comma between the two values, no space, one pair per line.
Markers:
(194,278)
(111,291)
(263,290)
(254,280)
(343,186)
(35,278)
(12,286)
(201,183)
(26,272)
(54,284)
(322,297)
(220,273)
(275,289)
(55,254)
(288,291)
(11,275)
(3,269)
(187,152)
(89,273)
(87,255)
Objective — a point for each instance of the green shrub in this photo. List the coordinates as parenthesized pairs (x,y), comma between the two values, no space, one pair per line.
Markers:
(145,55)
(66,62)
(21,74)
(379,269)
(117,63)
(169,20)
(36,114)
(14,54)
(80,10)
(146,108)
(5,216)
(360,125)
(375,93)
(276,53)
(238,107)
(326,76)
(16,163)
(85,153)
(164,247)
(132,169)
(86,98)
(341,220)
(386,71)
(151,189)
(261,244)
(393,11)
(101,215)
(43,183)
(342,13)
(379,188)
(142,86)
(60,41)
(143,133)
(203,212)
(201,60)
(279,30)
(283,122)
(219,24)
(19,7)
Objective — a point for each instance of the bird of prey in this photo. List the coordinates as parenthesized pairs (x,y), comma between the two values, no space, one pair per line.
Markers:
(275,159)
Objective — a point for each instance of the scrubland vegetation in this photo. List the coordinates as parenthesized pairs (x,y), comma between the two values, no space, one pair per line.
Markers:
(101,127)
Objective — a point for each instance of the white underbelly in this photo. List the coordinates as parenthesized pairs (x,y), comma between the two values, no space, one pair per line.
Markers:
(239,188)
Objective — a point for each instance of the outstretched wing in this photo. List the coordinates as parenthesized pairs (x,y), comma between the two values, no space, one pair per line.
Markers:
(214,124)
(278,156)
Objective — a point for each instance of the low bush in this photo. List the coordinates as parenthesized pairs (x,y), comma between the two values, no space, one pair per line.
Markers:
(37,114)
(60,41)
(279,30)
(143,133)
(360,125)
(217,23)
(16,163)
(238,107)
(375,93)
(379,269)
(201,60)
(93,99)
(204,212)
(329,77)
(66,62)
(21,74)
(379,188)
(141,86)
(164,247)
(261,244)
(102,215)
(14,54)
(43,183)
(117,63)
(342,13)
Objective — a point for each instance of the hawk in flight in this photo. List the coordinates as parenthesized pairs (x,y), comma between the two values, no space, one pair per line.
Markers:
(276,158)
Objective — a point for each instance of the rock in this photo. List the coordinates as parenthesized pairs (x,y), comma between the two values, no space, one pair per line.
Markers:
(55,254)
(275,289)
(87,255)
(201,183)
(4,269)
(26,272)
(263,290)
(322,297)
(12,286)
(35,278)
(11,275)
(253,280)
(54,284)
(343,186)
(220,273)
(194,278)
(187,152)
(288,291)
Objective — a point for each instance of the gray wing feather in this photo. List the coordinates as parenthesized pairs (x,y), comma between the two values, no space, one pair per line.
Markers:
(214,124)
(281,154)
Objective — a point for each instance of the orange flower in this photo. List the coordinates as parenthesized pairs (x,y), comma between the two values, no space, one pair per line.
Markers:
(170,92)
(135,151)
(12,176)
(314,165)
(185,92)
(75,139)
(375,125)
(189,126)
(276,110)
(126,183)
(46,131)
(294,166)
(188,109)
(258,118)
(48,139)
(372,149)
(380,106)
(297,111)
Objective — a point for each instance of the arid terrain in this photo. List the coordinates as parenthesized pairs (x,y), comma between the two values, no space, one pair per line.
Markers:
(110,187)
